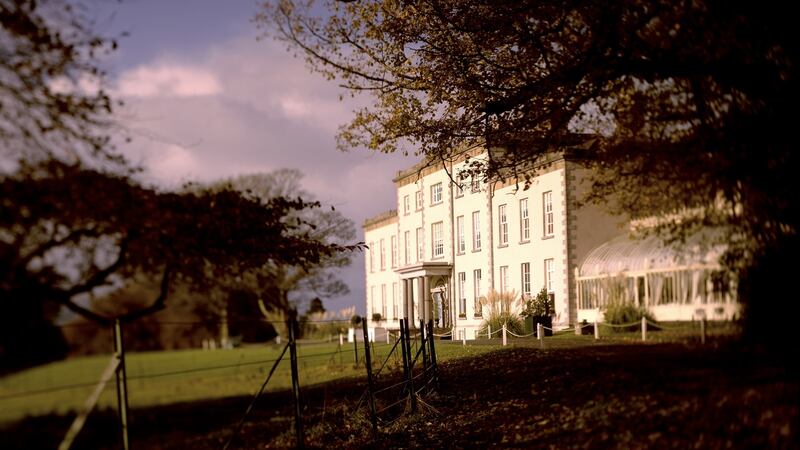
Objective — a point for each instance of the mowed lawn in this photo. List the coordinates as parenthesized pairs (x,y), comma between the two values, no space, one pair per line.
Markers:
(166,377)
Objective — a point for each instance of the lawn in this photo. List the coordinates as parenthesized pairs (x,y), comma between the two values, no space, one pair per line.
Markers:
(565,391)
(160,378)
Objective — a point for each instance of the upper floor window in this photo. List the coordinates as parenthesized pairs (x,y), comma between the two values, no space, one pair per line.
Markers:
(420,200)
(394,251)
(462,245)
(383,255)
(420,244)
(525,271)
(459,188)
(547,205)
(407,243)
(476,184)
(406,205)
(502,224)
(476,231)
(372,257)
(436,194)
(437,233)
(524,221)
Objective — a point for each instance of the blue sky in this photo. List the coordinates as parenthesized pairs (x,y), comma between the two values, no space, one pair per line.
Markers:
(204,99)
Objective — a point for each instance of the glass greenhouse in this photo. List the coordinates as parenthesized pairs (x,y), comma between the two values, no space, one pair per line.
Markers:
(675,282)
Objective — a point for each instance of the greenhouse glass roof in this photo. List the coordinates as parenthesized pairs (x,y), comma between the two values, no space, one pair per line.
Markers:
(629,254)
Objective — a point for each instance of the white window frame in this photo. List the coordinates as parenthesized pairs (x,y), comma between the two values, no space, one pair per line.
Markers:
(407,238)
(524,221)
(372,298)
(460,238)
(548,227)
(525,278)
(502,225)
(476,287)
(549,272)
(462,294)
(394,251)
(436,194)
(476,231)
(475,184)
(371,257)
(420,200)
(383,254)
(420,244)
(406,205)
(437,240)
(459,189)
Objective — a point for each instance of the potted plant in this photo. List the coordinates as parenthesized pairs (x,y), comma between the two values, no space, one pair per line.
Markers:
(539,309)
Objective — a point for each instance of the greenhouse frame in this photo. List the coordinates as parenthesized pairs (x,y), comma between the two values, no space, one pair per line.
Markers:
(677,282)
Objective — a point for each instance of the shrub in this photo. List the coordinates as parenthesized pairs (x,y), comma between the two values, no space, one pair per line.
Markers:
(618,313)
(541,305)
(502,309)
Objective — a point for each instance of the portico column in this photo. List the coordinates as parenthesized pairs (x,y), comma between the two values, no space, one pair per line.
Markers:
(404,296)
(428,299)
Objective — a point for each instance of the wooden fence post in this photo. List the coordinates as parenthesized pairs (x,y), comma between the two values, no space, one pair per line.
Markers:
(644,328)
(703,324)
(122,383)
(298,415)
(505,341)
(434,364)
(368,363)
(539,331)
(355,343)
(596,330)
(410,368)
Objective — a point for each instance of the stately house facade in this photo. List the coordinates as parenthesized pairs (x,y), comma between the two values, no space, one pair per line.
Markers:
(447,244)
(442,249)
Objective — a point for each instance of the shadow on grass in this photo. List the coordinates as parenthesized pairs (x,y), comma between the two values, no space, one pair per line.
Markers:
(597,395)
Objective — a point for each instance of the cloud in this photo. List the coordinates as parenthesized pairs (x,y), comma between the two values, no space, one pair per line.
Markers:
(243,107)
(167,80)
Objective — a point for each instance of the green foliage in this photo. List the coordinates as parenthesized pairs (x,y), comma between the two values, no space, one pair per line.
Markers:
(502,309)
(539,306)
(619,313)
(690,105)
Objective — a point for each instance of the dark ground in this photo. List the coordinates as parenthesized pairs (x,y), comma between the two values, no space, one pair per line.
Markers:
(562,396)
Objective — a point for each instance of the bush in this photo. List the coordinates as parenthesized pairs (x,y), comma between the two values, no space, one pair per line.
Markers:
(512,321)
(541,305)
(502,309)
(618,313)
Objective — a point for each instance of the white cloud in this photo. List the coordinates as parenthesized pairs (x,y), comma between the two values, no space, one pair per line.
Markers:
(167,80)
(247,106)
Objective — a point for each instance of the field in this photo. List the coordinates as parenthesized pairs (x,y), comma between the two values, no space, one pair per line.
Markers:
(564,392)
(160,378)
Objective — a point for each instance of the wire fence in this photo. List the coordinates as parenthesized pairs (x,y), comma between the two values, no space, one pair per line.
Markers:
(136,380)
(406,364)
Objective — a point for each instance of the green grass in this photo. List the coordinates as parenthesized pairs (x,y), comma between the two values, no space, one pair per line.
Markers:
(157,378)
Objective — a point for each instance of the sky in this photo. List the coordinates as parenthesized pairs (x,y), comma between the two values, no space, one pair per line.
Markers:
(205,99)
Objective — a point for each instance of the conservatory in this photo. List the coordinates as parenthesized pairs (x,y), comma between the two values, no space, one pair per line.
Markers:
(674,282)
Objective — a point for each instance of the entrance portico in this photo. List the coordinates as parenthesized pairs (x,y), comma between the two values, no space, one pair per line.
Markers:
(425,293)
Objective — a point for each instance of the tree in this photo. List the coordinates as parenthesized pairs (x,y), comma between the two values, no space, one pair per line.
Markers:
(52,101)
(690,105)
(69,231)
(279,281)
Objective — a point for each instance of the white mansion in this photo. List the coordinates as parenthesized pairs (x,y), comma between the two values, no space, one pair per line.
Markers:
(448,245)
